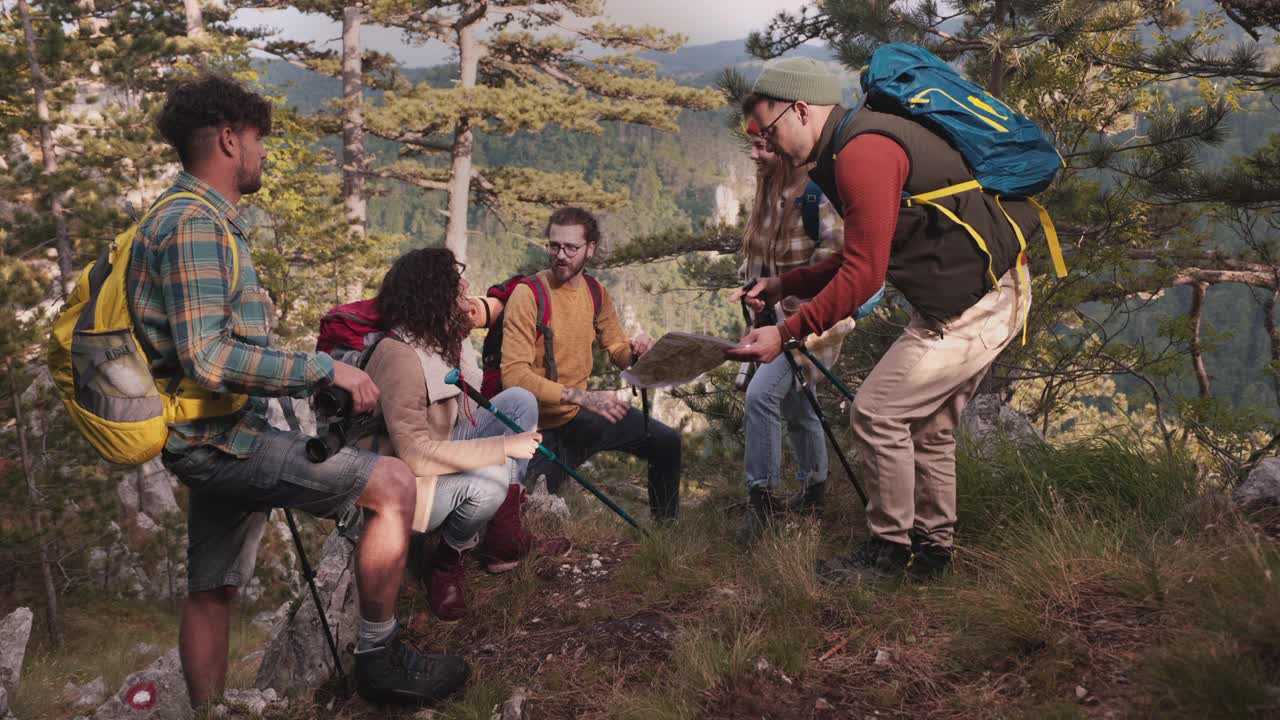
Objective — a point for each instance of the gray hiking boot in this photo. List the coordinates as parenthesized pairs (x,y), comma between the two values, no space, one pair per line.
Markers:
(874,562)
(757,518)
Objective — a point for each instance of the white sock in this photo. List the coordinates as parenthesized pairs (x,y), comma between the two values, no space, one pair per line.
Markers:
(372,634)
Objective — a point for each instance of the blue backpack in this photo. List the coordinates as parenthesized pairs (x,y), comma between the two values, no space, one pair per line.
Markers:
(1007,152)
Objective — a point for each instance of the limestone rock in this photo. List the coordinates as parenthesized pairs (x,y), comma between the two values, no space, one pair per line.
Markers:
(145,523)
(157,692)
(15,631)
(297,656)
(85,696)
(248,703)
(543,503)
(127,491)
(987,420)
(1261,490)
(155,490)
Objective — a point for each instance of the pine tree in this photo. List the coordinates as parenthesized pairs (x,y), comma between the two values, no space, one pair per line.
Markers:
(524,73)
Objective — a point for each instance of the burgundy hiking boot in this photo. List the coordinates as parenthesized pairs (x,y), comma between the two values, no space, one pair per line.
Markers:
(447,584)
(507,542)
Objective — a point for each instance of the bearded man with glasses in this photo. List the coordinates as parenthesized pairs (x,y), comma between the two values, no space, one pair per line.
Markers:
(577,423)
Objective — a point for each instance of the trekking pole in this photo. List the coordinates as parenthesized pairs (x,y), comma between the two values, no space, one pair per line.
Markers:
(455,378)
(813,402)
(848,394)
(310,575)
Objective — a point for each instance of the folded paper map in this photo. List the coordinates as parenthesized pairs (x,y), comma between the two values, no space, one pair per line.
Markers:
(677,358)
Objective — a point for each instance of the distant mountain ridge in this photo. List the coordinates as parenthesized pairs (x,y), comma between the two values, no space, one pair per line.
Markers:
(711,57)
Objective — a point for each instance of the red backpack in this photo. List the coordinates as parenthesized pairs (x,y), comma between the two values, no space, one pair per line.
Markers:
(491,354)
(343,329)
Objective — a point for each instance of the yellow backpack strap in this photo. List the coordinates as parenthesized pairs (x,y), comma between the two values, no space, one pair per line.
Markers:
(948,190)
(928,199)
(1024,274)
(1051,237)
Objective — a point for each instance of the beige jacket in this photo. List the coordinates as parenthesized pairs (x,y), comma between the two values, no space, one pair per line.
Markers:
(420,411)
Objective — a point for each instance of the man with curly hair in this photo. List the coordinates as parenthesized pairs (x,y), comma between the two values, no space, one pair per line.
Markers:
(202,315)
(577,423)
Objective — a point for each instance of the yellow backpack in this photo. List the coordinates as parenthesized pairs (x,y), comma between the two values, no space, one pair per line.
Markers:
(103,375)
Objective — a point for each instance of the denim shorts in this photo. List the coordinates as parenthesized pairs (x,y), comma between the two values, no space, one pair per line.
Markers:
(230,497)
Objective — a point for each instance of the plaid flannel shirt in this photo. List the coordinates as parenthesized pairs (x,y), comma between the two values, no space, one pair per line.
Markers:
(196,324)
(780,242)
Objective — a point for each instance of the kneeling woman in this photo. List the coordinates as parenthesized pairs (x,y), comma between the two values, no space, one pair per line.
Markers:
(468,464)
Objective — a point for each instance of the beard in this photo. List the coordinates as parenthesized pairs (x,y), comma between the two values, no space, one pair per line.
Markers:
(248,181)
(564,269)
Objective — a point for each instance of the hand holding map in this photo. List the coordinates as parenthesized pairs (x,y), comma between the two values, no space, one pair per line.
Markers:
(677,358)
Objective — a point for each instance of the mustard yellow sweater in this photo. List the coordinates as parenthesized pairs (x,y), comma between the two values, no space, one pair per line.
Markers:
(524,354)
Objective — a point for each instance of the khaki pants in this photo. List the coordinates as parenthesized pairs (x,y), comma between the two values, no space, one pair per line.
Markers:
(905,415)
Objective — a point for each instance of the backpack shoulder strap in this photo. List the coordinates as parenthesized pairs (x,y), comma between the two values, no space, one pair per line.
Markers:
(231,239)
(810,202)
(597,295)
(541,297)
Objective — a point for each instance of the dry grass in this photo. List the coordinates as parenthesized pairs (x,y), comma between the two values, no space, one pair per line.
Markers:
(1089,582)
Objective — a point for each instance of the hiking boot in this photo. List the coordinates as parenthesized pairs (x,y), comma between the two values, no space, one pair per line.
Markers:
(929,560)
(875,561)
(758,516)
(811,500)
(395,673)
(506,541)
(447,583)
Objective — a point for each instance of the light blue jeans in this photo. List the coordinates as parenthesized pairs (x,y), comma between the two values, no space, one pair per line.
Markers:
(465,502)
(772,397)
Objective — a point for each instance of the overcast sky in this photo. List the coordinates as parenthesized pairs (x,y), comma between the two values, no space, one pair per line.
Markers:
(701,21)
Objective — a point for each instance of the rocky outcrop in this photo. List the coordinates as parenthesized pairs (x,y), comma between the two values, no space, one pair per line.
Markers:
(1261,490)
(987,420)
(297,656)
(15,631)
(157,692)
(85,696)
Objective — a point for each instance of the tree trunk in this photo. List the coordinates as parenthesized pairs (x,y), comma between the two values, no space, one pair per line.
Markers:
(195,18)
(46,566)
(999,67)
(1198,292)
(355,161)
(469,51)
(62,240)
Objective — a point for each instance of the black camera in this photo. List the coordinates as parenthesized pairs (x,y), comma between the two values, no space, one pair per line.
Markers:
(334,404)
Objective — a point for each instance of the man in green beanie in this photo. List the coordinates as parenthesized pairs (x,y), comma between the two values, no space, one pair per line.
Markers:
(905,414)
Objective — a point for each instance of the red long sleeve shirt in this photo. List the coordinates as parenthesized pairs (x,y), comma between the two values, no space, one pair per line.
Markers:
(871,172)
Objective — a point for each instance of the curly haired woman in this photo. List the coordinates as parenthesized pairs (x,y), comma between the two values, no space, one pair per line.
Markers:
(468,464)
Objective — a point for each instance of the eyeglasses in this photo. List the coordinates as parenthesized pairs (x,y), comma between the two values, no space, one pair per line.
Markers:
(570,251)
(767,130)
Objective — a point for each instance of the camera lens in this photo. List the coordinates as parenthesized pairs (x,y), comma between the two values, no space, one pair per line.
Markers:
(322,448)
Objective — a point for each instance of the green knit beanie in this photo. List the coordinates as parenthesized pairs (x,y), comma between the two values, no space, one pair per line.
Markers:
(799,78)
